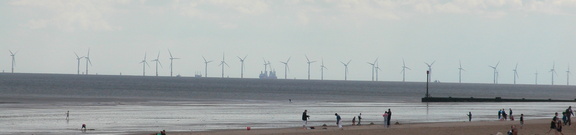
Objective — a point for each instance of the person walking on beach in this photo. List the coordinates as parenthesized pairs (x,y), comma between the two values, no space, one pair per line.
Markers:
(499,114)
(521,121)
(511,117)
(359,118)
(469,116)
(552,126)
(385,115)
(67,114)
(389,117)
(504,114)
(338,120)
(305,118)
(569,114)
(559,127)
(354,120)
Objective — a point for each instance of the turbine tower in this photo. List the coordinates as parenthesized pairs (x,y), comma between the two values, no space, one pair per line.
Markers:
(377,68)
(88,61)
(13,59)
(404,67)
(157,61)
(286,67)
(345,69)
(536,78)
(460,69)
(242,66)
(373,67)
(171,60)
(309,62)
(144,63)
(495,71)
(322,67)
(78,58)
(430,69)
(568,76)
(553,71)
(515,73)
(222,63)
(205,66)
(266,66)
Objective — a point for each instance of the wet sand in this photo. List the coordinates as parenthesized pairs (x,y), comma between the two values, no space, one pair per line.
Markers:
(531,127)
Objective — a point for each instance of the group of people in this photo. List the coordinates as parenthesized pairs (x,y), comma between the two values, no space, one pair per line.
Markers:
(503,116)
(556,124)
(387,117)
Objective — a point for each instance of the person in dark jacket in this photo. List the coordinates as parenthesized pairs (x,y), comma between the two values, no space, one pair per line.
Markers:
(305,118)
(389,117)
(338,120)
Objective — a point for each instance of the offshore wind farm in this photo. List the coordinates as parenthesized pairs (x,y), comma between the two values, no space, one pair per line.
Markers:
(96,60)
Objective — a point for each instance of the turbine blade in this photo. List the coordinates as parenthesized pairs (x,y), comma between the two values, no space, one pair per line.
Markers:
(169,52)
(348,62)
(204,59)
(78,57)
(307,58)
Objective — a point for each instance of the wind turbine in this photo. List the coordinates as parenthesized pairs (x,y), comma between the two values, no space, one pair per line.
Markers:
(242,66)
(377,68)
(13,59)
(536,79)
(568,76)
(78,58)
(222,63)
(553,71)
(495,71)
(286,68)
(88,61)
(309,62)
(205,66)
(322,67)
(171,60)
(345,69)
(515,73)
(430,69)
(460,69)
(404,67)
(266,66)
(144,63)
(157,60)
(373,67)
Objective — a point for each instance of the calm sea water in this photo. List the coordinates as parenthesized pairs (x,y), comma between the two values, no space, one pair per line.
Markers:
(36,104)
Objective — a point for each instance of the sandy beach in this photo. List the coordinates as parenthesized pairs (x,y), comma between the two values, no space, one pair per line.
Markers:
(531,127)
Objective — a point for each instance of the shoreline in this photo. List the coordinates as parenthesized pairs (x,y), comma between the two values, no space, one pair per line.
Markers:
(531,127)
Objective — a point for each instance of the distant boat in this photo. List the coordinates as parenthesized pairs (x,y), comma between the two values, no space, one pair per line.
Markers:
(265,75)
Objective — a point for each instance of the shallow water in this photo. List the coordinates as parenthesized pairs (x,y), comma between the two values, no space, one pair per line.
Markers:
(36,103)
(209,115)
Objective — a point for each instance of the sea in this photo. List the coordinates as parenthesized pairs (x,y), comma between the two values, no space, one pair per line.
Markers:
(112,104)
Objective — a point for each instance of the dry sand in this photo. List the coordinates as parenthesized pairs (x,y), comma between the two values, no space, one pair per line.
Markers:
(531,127)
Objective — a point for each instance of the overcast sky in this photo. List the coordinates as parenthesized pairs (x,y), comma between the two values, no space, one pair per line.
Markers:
(533,33)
